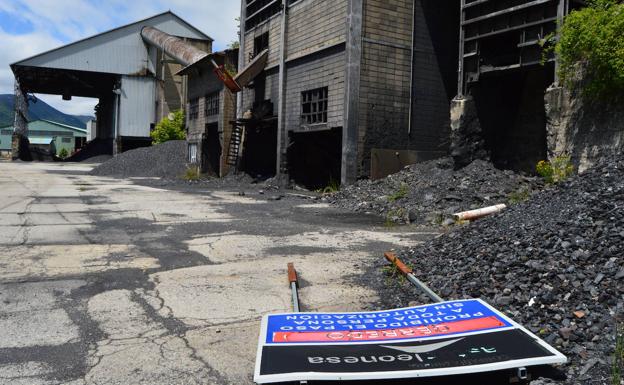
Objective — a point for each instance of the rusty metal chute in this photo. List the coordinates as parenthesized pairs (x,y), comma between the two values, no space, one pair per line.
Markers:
(181,51)
(186,54)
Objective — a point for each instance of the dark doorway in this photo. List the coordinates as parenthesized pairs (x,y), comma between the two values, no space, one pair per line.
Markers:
(510,107)
(260,149)
(315,158)
(212,150)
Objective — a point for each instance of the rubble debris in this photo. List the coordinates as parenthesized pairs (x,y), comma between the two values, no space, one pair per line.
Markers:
(431,192)
(559,252)
(166,160)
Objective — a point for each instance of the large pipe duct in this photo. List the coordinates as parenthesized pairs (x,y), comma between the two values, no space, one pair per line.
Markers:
(175,47)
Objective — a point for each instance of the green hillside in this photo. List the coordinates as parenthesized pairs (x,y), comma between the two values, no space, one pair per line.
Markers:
(36,111)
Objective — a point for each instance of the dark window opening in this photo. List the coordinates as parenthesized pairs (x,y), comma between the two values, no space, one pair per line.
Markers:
(511,112)
(211,106)
(260,44)
(315,158)
(194,109)
(259,11)
(260,149)
(314,106)
(212,150)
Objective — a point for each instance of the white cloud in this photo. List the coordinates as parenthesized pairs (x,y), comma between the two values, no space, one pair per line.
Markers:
(17,47)
(76,106)
(55,23)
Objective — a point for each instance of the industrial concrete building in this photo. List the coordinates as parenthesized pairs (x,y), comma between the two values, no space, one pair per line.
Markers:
(351,88)
(48,136)
(210,110)
(134,81)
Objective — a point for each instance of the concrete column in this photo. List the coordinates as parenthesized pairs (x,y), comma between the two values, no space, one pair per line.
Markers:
(467,142)
(282,134)
(242,61)
(20,144)
(350,128)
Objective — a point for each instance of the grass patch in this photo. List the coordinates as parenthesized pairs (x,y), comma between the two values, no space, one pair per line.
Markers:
(191,174)
(555,171)
(392,273)
(519,196)
(399,194)
(332,187)
(392,214)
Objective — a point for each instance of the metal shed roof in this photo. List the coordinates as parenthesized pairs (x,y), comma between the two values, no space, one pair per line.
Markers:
(118,51)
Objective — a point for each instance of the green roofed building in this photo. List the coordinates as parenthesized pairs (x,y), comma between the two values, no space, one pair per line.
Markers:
(47,135)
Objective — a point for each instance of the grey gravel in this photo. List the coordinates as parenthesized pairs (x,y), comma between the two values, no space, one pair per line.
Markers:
(540,262)
(427,193)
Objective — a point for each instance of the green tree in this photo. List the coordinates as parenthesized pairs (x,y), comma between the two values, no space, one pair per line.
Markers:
(170,128)
(592,39)
(63,153)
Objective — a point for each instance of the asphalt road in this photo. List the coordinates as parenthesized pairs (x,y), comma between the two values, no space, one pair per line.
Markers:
(109,281)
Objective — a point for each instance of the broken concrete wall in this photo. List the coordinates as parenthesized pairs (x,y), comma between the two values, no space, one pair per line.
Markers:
(502,120)
(584,130)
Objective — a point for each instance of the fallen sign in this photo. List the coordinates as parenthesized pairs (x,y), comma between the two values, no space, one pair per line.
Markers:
(441,339)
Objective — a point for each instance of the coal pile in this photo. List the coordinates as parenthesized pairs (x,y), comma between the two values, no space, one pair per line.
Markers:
(166,160)
(553,263)
(94,148)
(98,159)
(429,192)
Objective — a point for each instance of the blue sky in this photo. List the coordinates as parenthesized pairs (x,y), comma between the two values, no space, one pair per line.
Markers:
(29,27)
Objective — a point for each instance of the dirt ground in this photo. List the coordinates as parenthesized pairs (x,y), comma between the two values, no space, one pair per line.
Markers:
(111,281)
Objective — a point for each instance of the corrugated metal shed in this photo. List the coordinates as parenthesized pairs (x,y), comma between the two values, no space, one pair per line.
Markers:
(119,51)
(137,106)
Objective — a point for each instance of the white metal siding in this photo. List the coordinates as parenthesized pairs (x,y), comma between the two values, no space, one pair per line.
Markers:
(137,106)
(121,51)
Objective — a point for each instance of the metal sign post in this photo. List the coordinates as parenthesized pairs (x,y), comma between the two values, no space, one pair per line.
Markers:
(294,285)
(409,274)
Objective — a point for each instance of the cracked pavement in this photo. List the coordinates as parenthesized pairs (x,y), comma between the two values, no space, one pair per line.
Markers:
(111,281)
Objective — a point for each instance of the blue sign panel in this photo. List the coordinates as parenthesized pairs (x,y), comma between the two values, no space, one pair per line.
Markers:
(448,318)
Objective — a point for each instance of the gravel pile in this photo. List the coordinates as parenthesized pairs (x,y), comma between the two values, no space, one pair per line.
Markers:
(98,159)
(428,192)
(166,160)
(553,263)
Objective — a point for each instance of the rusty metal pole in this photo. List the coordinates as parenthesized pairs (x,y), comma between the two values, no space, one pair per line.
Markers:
(409,274)
(294,284)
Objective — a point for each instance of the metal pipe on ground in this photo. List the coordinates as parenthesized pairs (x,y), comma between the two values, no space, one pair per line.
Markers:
(479,213)
(173,46)
(409,274)
(294,285)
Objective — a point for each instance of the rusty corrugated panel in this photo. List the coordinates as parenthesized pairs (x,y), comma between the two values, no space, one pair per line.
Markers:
(184,53)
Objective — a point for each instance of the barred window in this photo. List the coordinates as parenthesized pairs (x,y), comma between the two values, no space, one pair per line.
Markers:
(211,108)
(194,109)
(192,153)
(314,106)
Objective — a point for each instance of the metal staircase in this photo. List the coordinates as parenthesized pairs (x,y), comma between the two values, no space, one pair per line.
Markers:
(236,140)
